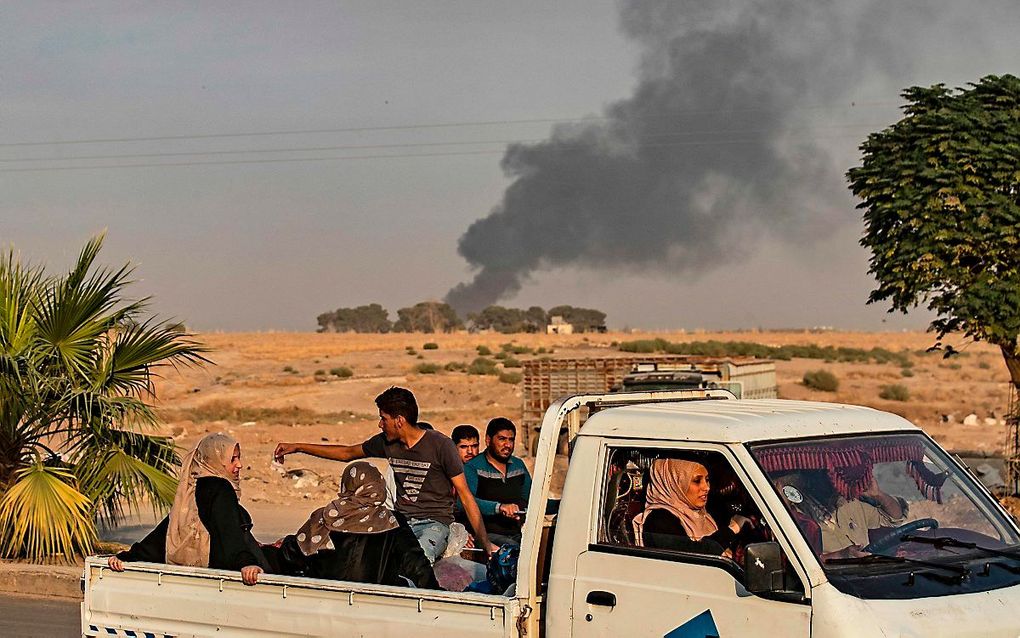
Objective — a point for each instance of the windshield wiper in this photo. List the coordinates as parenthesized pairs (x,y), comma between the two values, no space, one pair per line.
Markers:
(885,558)
(959,573)
(942,542)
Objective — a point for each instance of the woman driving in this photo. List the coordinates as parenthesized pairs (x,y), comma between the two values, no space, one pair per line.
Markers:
(675,516)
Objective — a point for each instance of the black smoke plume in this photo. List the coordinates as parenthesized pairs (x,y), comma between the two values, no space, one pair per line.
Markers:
(722,142)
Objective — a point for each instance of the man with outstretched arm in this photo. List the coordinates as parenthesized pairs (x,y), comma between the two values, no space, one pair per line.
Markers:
(426,465)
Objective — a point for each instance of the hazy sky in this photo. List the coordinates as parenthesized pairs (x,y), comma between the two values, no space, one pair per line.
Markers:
(740,219)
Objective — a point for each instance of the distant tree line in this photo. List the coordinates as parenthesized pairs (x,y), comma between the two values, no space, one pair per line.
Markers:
(435,316)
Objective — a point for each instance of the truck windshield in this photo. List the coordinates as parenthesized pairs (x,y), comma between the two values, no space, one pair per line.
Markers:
(873,508)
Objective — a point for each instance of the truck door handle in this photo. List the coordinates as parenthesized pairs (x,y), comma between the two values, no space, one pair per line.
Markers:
(604,598)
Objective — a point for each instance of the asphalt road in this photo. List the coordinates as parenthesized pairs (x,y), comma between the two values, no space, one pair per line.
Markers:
(39,618)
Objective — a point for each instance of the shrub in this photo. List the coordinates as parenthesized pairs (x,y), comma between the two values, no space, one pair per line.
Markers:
(541,351)
(511,377)
(906,372)
(411,351)
(984,365)
(320,373)
(223,410)
(821,380)
(427,368)
(749,349)
(481,365)
(500,356)
(289,369)
(895,392)
(515,349)
(455,366)
(483,351)
(510,362)
(643,346)
(342,372)
(431,345)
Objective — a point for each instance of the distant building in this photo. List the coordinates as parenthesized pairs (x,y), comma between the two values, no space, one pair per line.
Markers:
(557,326)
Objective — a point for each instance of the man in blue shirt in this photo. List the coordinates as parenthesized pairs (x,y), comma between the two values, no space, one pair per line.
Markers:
(500,483)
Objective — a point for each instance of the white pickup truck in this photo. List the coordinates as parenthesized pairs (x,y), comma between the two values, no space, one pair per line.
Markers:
(943,559)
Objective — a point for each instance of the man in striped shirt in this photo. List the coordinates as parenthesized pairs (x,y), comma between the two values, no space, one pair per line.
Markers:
(500,483)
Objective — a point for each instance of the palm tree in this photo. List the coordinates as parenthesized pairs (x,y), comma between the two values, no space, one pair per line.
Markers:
(77,365)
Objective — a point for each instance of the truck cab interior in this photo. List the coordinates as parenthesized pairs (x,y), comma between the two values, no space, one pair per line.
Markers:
(625,497)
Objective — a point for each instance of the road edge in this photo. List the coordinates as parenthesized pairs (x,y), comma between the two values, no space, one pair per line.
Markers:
(41,581)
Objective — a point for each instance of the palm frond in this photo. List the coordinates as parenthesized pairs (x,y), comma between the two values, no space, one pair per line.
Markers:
(121,468)
(90,412)
(86,258)
(138,349)
(123,481)
(72,321)
(43,516)
(19,286)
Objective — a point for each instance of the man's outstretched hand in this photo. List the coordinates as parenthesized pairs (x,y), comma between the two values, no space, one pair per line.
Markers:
(282,450)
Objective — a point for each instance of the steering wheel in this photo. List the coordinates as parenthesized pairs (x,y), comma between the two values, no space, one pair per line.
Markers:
(890,538)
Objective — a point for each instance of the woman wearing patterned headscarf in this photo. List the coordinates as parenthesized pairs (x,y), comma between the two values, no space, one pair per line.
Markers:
(675,516)
(207,527)
(355,537)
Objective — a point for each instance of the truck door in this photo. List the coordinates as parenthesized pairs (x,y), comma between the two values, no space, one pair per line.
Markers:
(652,584)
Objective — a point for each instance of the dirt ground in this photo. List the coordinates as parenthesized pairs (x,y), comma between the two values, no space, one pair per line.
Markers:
(263,388)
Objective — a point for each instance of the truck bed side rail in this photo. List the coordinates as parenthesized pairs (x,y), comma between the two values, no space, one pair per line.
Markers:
(170,600)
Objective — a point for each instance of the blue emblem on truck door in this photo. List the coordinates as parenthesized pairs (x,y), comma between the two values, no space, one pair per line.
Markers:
(701,626)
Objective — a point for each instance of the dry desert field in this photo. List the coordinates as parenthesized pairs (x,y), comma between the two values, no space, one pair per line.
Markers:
(263,388)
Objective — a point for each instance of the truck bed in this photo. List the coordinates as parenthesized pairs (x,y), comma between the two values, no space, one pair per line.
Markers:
(167,600)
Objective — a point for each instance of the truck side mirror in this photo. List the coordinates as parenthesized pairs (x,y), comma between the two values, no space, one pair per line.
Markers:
(763,568)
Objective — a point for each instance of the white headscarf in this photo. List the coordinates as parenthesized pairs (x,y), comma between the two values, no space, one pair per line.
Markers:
(667,490)
(187,540)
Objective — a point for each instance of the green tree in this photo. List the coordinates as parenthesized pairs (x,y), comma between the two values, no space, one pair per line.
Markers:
(509,320)
(536,319)
(77,363)
(427,316)
(583,319)
(941,201)
(372,318)
(326,321)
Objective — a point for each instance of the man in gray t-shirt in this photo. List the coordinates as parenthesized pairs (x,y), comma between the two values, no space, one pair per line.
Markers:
(423,474)
(425,463)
